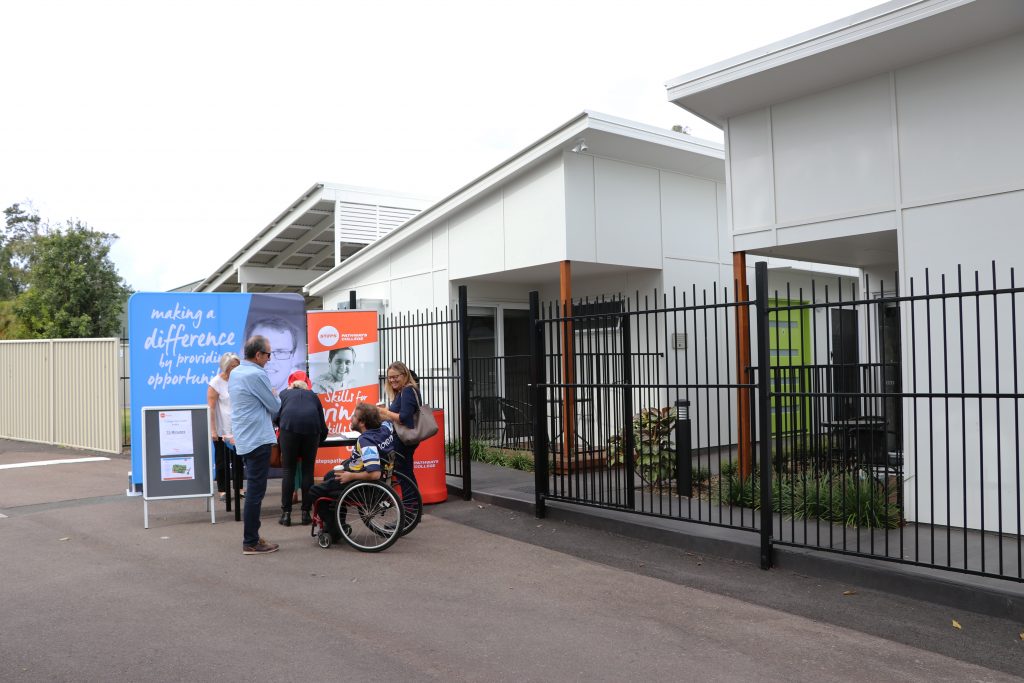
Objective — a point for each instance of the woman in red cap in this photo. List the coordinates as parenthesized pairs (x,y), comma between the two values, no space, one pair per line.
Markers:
(303,429)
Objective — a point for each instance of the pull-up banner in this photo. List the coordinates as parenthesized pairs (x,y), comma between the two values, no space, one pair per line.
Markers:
(344,364)
(176,340)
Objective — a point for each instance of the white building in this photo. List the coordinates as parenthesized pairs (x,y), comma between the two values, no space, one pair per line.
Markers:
(891,141)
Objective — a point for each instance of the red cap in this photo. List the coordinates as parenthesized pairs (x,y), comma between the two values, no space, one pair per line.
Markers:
(299,375)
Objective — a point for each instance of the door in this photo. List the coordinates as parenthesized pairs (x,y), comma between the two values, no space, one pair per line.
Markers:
(892,385)
(845,365)
(788,351)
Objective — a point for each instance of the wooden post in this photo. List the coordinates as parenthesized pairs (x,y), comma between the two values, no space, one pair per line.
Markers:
(568,364)
(744,427)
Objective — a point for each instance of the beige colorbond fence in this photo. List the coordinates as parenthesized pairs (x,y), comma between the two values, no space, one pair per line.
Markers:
(61,391)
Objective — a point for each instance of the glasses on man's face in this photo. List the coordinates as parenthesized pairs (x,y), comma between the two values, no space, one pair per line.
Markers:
(282,355)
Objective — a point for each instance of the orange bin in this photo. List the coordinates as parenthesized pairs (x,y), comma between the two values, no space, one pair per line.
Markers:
(428,462)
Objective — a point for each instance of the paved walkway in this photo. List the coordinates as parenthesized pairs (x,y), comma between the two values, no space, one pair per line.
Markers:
(515,489)
(477,592)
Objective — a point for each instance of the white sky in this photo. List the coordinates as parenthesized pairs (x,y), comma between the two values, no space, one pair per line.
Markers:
(186,127)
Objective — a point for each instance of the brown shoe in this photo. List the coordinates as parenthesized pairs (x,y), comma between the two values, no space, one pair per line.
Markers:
(260,548)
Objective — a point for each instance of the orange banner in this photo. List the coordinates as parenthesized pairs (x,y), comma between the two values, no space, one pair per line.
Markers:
(344,362)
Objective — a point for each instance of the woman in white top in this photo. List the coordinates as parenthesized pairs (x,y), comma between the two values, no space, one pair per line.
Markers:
(219,400)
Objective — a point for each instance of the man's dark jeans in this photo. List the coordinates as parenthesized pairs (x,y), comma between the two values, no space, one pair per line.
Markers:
(257,467)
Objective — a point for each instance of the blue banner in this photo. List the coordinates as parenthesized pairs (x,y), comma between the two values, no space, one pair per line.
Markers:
(176,341)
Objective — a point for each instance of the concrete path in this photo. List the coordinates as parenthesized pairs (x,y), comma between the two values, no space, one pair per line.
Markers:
(476,593)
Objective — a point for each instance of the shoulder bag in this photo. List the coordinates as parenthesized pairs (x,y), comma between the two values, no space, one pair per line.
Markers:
(424,424)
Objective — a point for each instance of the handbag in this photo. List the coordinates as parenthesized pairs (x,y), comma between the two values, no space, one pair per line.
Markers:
(424,425)
(275,452)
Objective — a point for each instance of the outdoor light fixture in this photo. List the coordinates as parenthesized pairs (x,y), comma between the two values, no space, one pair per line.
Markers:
(581,146)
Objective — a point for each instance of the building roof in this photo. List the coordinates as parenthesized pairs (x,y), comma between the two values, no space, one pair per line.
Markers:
(603,135)
(881,39)
(299,245)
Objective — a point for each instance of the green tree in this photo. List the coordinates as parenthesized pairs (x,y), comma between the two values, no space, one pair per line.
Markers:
(21,226)
(73,289)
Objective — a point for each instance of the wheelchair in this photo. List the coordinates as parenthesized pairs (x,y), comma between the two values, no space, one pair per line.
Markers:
(371,515)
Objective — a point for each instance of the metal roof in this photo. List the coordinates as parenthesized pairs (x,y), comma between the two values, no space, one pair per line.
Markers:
(301,244)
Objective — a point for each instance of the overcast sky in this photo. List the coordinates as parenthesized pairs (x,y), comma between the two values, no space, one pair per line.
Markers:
(186,127)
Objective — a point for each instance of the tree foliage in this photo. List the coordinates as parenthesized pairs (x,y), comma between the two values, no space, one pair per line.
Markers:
(57,281)
(21,227)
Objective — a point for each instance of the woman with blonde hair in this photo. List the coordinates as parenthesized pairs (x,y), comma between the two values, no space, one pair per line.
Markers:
(219,400)
(404,404)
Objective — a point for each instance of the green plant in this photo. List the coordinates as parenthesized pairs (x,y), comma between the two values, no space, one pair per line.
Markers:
(479,451)
(850,498)
(701,474)
(653,452)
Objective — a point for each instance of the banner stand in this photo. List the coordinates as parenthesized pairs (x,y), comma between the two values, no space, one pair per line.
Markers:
(176,456)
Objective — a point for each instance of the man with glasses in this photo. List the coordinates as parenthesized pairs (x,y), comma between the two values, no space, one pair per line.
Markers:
(284,339)
(253,406)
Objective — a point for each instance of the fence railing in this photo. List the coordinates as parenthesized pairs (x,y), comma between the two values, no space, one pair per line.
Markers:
(882,424)
(433,344)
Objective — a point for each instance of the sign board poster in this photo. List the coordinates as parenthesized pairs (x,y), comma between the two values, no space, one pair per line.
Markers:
(172,468)
(176,340)
(344,363)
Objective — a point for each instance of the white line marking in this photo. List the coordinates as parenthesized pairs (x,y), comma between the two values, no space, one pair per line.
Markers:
(3,516)
(39,463)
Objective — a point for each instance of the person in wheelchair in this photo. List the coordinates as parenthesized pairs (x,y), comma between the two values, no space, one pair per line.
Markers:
(375,439)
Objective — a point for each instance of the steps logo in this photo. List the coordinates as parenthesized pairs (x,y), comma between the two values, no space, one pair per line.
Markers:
(328,335)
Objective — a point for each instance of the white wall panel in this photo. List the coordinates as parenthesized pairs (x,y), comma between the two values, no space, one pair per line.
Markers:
(476,240)
(834,152)
(960,122)
(412,293)
(440,244)
(689,215)
(722,221)
(444,293)
(628,214)
(534,215)
(412,256)
(750,168)
(580,228)
(971,233)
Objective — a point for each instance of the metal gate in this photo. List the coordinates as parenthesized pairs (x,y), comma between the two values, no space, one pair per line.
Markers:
(433,344)
(759,416)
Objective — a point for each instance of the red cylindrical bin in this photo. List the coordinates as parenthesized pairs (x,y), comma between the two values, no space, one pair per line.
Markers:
(428,462)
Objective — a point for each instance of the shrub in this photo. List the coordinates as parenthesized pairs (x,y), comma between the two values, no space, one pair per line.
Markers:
(854,498)
(654,455)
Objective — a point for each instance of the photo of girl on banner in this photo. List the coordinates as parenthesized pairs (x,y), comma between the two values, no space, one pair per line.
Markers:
(344,362)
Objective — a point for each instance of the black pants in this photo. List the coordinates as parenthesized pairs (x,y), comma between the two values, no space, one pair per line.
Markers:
(220,454)
(404,464)
(329,487)
(301,448)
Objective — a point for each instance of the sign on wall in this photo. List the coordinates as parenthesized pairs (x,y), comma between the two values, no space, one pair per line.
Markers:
(176,341)
(344,363)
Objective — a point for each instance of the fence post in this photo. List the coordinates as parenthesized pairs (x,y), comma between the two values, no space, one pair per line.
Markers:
(539,400)
(765,429)
(464,425)
(684,453)
(629,438)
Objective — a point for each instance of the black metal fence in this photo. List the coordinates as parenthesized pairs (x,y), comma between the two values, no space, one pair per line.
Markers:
(872,422)
(433,344)
(501,414)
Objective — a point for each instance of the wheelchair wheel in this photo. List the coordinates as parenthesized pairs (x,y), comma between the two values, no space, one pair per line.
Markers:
(323,539)
(412,501)
(379,510)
